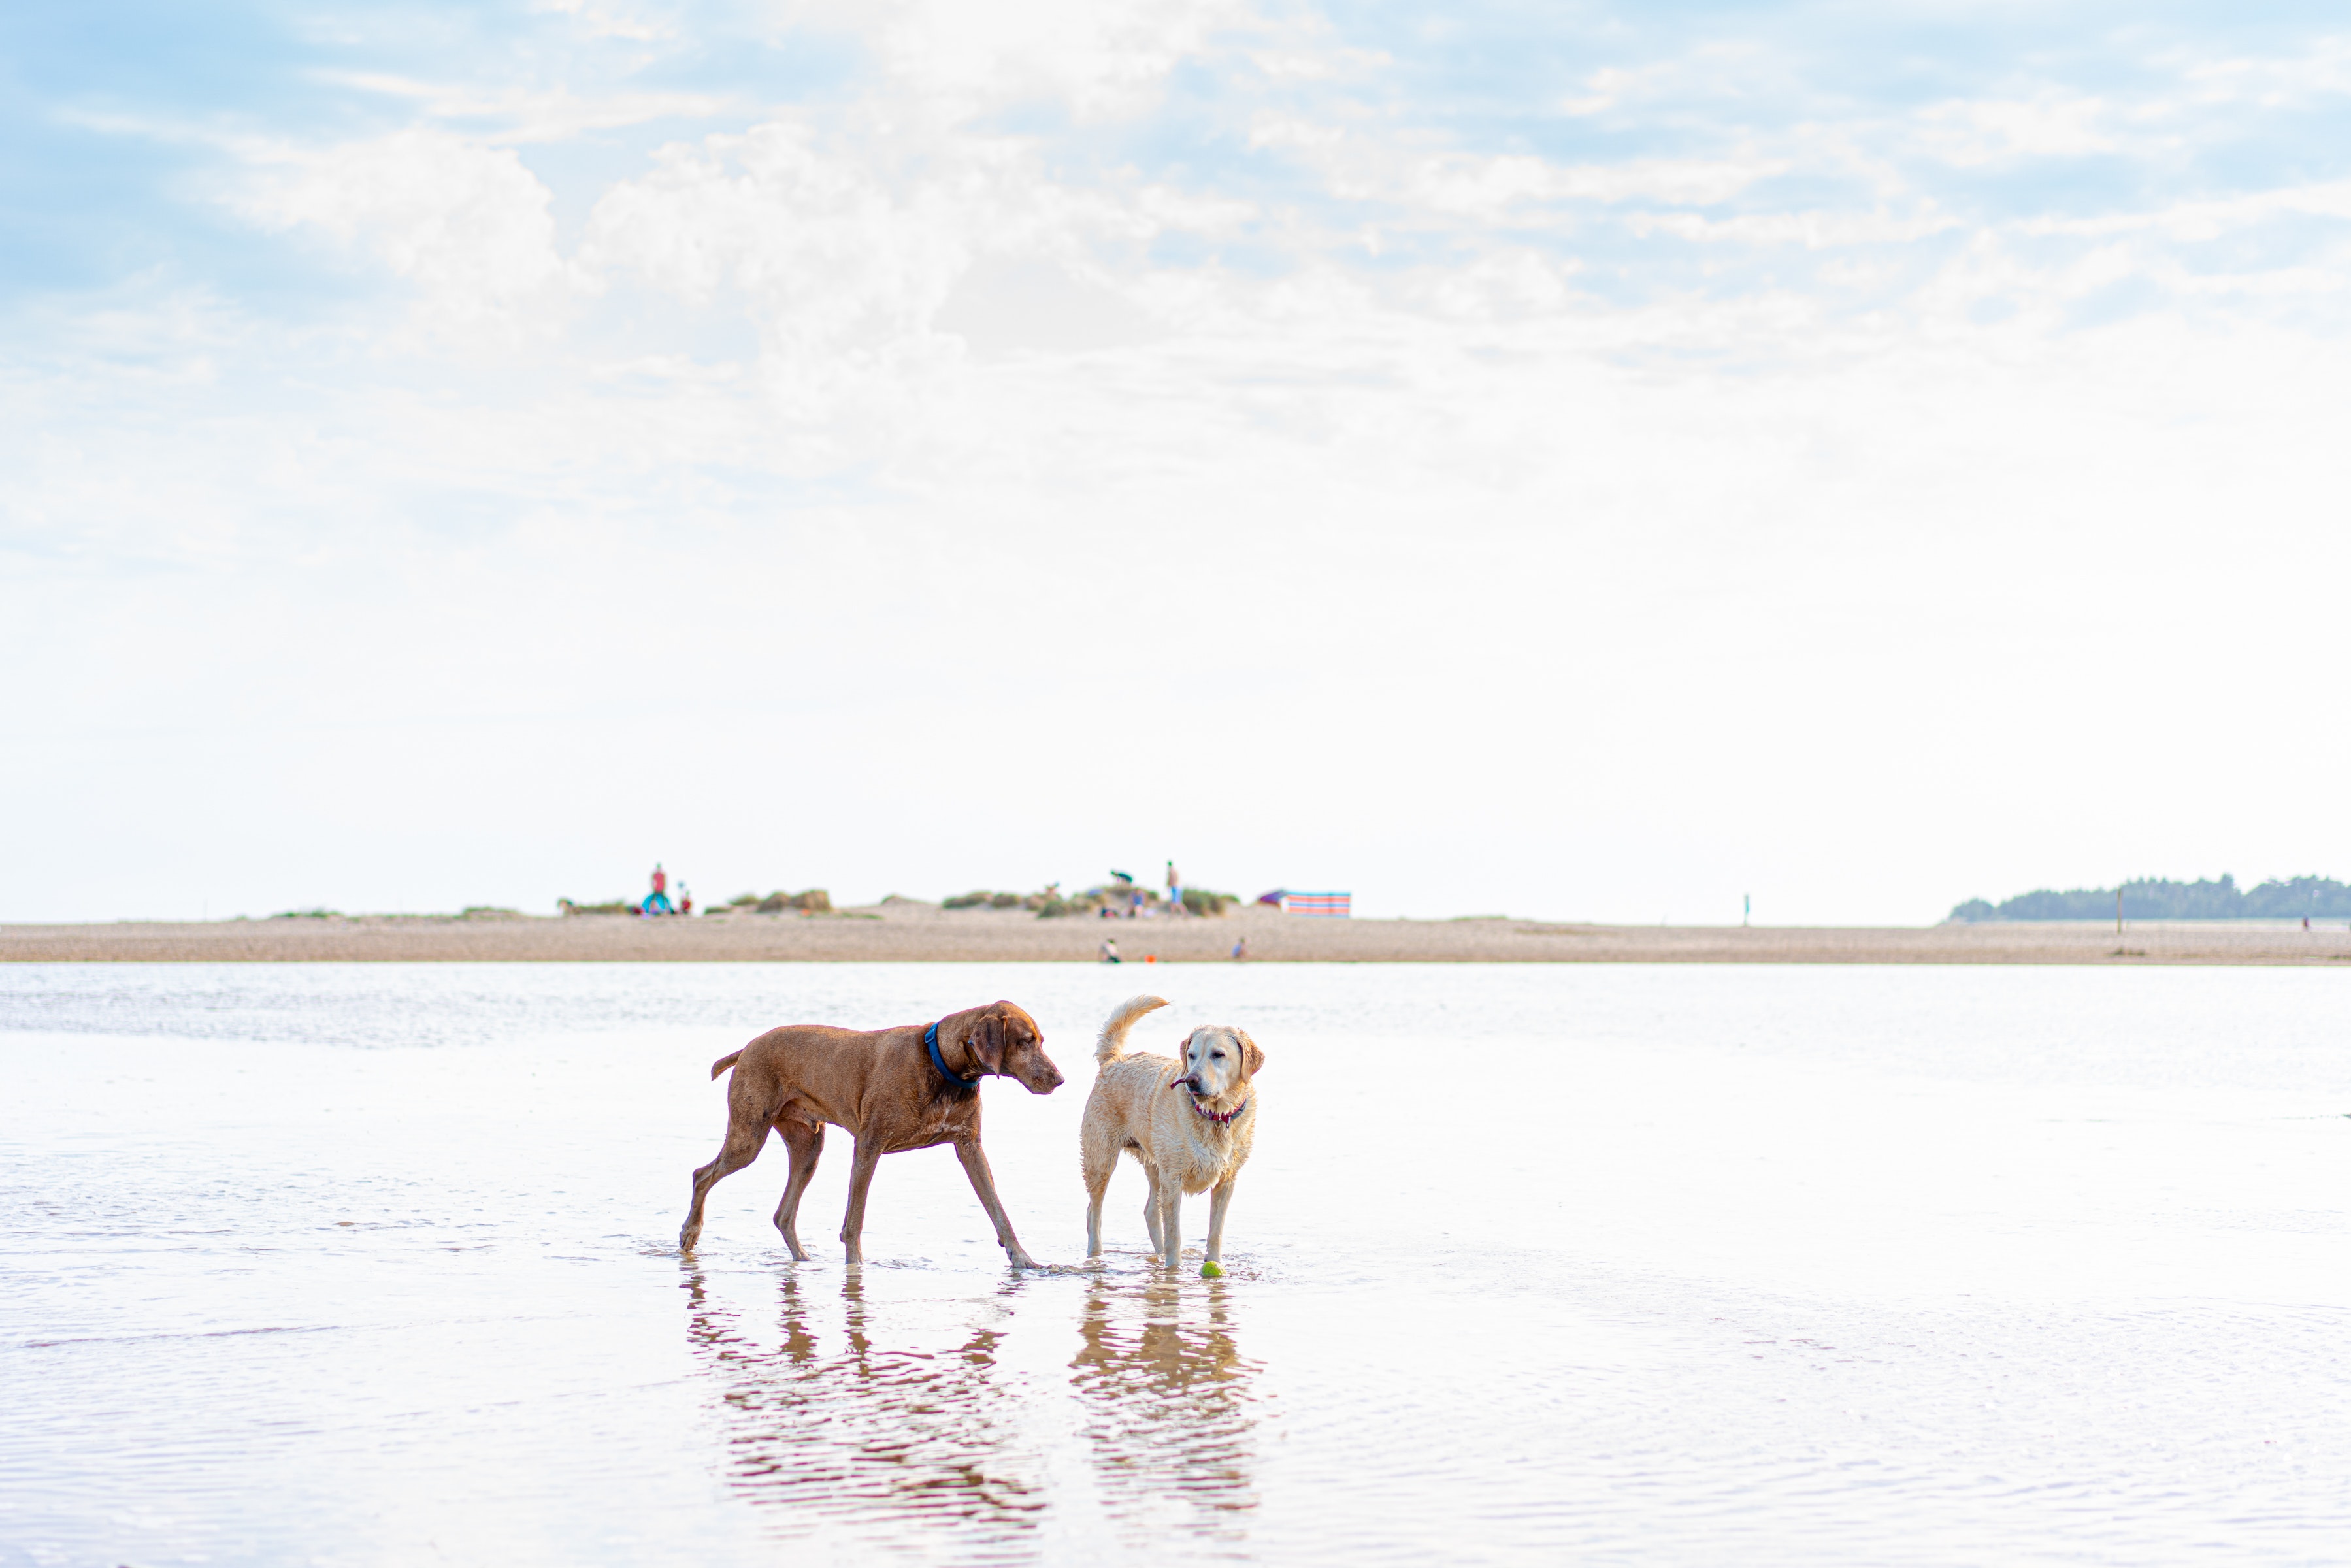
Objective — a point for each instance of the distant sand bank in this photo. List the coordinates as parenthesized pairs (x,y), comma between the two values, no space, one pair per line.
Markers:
(908,933)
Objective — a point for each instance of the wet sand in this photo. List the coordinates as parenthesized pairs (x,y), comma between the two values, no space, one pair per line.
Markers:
(904,931)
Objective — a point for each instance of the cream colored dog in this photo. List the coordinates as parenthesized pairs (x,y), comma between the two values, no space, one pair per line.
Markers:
(1189,1123)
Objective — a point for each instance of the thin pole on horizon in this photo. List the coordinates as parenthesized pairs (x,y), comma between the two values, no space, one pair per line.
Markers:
(1746,906)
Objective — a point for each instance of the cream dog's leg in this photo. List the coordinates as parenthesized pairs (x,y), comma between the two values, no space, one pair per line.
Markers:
(1151,1207)
(1171,1221)
(1097,1188)
(1097,1162)
(1220,1197)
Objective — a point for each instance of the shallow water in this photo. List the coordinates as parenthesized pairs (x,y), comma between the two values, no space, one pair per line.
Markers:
(376,1264)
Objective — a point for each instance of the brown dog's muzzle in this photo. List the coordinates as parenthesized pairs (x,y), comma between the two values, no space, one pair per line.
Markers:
(1035,1072)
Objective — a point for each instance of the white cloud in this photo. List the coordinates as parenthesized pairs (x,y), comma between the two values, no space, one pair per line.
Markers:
(469,225)
(1102,59)
(2051,125)
(612,21)
(2320,70)
(2196,220)
(1810,230)
(1496,188)
(842,270)
(524,114)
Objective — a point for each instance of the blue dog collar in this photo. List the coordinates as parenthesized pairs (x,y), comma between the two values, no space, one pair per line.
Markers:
(931,1039)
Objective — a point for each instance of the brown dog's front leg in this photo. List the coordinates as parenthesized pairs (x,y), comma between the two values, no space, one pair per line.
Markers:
(983,1182)
(861,1177)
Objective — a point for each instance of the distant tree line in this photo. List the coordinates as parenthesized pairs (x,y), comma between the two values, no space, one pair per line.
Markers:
(2155,898)
(1117,895)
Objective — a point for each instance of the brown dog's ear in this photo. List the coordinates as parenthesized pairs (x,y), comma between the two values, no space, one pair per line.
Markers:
(1252,1059)
(986,1043)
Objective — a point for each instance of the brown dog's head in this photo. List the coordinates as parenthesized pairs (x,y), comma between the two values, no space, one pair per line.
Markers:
(1007,1041)
(1217,1060)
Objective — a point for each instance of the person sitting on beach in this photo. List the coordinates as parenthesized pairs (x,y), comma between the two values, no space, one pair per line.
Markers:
(658,903)
(1110,951)
(1240,949)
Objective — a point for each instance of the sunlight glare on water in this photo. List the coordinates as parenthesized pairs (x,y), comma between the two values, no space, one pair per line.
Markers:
(377,1264)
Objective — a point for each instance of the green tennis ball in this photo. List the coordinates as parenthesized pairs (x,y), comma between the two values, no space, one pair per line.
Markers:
(1212,1271)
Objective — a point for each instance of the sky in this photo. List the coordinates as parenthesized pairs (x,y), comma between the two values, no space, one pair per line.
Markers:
(1582,460)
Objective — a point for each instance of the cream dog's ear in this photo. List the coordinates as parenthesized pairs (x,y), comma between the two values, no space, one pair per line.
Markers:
(1252,1059)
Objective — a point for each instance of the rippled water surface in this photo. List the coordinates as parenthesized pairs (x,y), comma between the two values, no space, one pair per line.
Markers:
(376,1264)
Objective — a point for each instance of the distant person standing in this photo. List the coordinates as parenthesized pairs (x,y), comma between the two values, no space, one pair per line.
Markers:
(684,899)
(1175,891)
(658,903)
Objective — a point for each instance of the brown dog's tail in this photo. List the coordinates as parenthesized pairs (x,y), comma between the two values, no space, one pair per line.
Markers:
(726,1061)
(1112,1043)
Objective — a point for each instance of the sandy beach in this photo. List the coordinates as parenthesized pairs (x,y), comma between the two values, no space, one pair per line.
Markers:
(912,932)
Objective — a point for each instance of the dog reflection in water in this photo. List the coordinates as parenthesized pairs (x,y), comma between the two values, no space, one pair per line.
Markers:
(1170,1414)
(864,1437)
(867,1436)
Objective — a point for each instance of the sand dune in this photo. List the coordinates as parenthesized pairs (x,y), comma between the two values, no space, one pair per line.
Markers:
(904,931)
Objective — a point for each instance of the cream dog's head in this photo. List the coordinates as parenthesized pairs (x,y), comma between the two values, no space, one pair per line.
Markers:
(1218,1062)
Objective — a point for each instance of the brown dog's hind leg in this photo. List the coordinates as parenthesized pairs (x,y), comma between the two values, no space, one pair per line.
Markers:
(805,1143)
(741,1147)
(983,1182)
(860,1177)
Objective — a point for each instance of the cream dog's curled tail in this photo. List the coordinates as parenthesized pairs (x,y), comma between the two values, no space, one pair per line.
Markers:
(1112,1043)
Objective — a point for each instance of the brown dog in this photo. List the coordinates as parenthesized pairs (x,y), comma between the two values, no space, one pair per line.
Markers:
(1189,1123)
(887,1090)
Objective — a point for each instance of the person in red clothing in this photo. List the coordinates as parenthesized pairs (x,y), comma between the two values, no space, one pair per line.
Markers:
(659,903)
